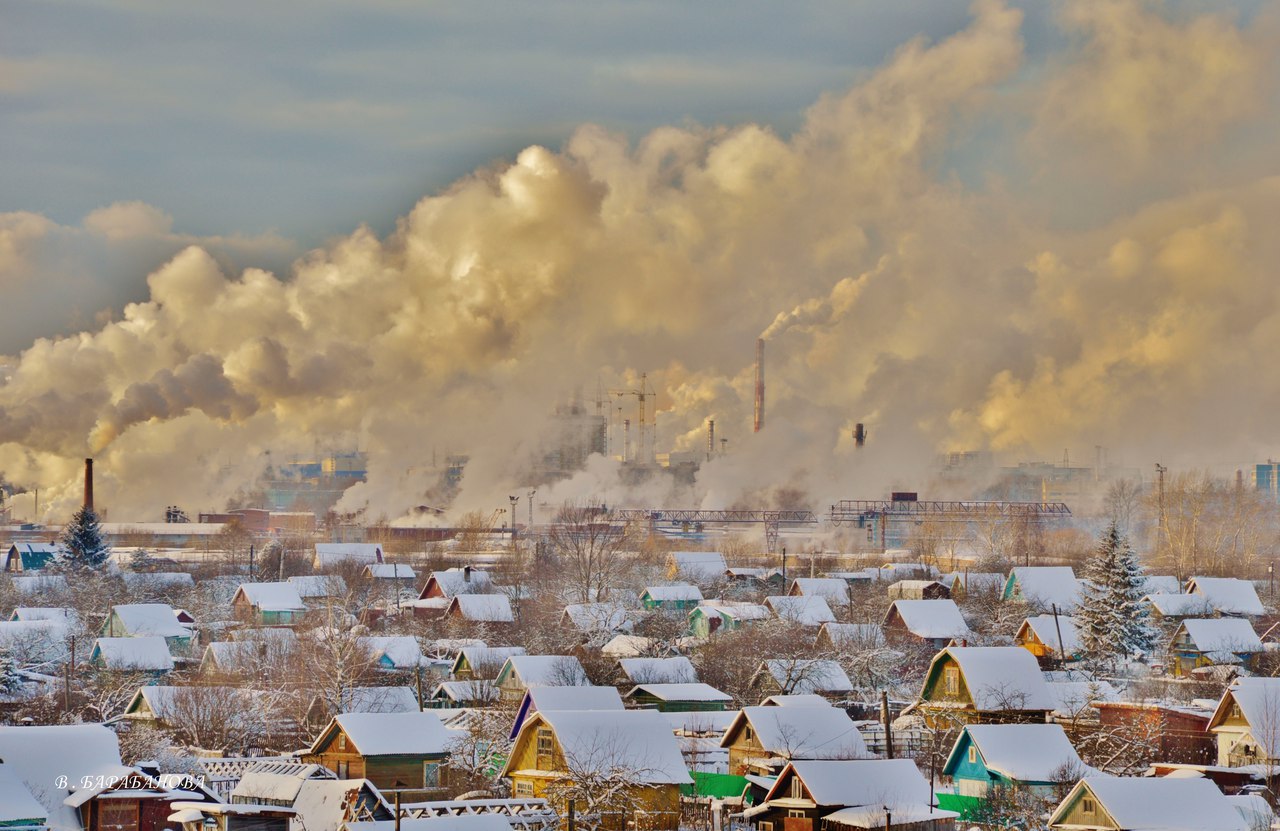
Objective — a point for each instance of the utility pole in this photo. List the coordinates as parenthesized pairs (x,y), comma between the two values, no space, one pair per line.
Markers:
(1062,652)
(250,562)
(531,493)
(418,673)
(1162,533)
(888,727)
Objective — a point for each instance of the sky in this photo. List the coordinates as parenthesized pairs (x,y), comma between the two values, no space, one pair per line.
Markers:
(1016,226)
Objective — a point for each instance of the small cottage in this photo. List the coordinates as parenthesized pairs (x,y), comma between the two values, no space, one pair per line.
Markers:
(401,753)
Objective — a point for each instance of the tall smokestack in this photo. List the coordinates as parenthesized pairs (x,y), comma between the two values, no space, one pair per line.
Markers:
(859,435)
(88,484)
(759,384)
(711,438)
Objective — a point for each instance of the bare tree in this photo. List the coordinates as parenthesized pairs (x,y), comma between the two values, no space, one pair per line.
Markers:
(215,718)
(592,553)
(605,781)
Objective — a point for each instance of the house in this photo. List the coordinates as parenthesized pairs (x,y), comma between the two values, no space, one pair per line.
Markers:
(396,752)
(804,700)
(696,566)
(482,661)
(679,596)
(390,571)
(764,739)
(846,636)
(36,643)
(521,672)
(308,792)
(1227,595)
(363,700)
(549,699)
(1076,700)
(159,704)
(451,695)
(678,698)
(1198,642)
(631,646)
(964,584)
(58,613)
(394,652)
(317,588)
(1115,803)
(805,611)
(453,581)
(1161,584)
(831,589)
(933,622)
(1178,606)
(1034,757)
(918,590)
(801,676)
(36,584)
(850,793)
(721,615)
(19,809)
(331,554)
(481,608)
(30,556)
(597,619)
(134,620)
(677,670)
(269,604)
(984,684)
(1044,587)
(142,654)
(1050,637)
(1177,731)
(577,747)
(1246,723)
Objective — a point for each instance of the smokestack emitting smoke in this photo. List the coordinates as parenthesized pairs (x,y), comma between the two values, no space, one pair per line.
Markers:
(859,435)
(711,438)
(88,484)
(759,421)
(900,235)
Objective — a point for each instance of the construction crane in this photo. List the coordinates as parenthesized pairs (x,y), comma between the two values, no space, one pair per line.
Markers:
(642,452)
(771,520)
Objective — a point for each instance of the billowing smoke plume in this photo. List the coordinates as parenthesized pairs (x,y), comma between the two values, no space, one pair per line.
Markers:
(910,272)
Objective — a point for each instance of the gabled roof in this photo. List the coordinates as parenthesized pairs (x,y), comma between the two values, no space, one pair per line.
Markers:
(334,553)
(389,734)
(973,581)
(677,592)
(699,565)
(150,619)
(1180,605)
(318,585)
(802,700)
(271,597)
(36,583)
(1046,629)
(16,801)
(1160,804)
(549,699)
(677,670)
(400,651)
(389,571)
(807,676)
(145,653)
(480,658)
(931,619)
(544,671)
(379,700)
(801,732)
(1228,595)
(456,581)
(28,613)
(487,608)
(1259,702)
(159,699)
(41,754)
(999,677)
(1031,753)
(734,610)
(639,741)
(1045,586)
(1221,634)
(844,634)
(1160,584)
(593,617)
(806,611)
(680,692)
(833,589)
(465,693)
(857,782)
(627,646)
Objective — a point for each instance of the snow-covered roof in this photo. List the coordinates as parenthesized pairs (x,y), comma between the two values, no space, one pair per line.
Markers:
(736,610)
(149,652)
(37,583)
(35,641)
(1074,697)
(391,734)
(319,585)
(135,581)
(859,782)
(390,571)
(678,670)
(272,597)
(1046,586)
(1001,677)
(932,619)
(973,581)
(677,592)
(1225,634)
(455,581)
(401,651)
(593,617)
(379,700)
(466,692)
(833,589)
(1021,752)
(28,613)
(1161,584)
(802,732)
(1254,809)
(488,608)
(16,799)
(1047,627)
(1159,804)
(627,646)
(1259,702)
(1180,605)
(681,692)
(699,565)
(808,676)
(485,659)
(638,741)
(806,611)
(701,721)
(461,822)
(231,655)
(548,699)
(1228,595)
(334,553)
(150,619)
(39,755)
(325,803)
(546,671)
(849,634)
(796,700)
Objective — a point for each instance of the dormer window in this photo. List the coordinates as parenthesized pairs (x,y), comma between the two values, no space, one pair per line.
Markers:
(797,788)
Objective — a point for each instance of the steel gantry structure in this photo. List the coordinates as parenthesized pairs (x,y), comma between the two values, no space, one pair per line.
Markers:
(876,515)
(771,520)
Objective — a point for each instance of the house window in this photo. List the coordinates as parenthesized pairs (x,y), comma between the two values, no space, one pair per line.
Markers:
(973,755)
(545,747)
(766,826)
(795,813)
(344,768)
(748,733)
(797,788)
(524,788)
(430,775)
(342,741)
(951,680)
(1088,806)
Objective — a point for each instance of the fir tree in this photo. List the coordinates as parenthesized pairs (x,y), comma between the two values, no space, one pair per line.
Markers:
(10,679)
(1111,619)
(83,542)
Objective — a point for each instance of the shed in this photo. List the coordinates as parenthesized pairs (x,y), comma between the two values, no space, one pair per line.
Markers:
(1044,587)
(935,622)
(806,611)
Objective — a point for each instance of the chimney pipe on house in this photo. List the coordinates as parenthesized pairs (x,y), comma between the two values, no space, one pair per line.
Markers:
(88,484)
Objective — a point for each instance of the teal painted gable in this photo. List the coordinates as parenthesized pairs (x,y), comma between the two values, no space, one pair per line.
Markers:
(958,765)
(1010,587)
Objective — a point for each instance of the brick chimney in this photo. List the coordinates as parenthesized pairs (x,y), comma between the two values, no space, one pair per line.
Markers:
(88,484)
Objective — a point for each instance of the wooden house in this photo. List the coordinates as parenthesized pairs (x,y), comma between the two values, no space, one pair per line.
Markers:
(1051,638)
(801,676)
(520,672)
(1176,730)
(680,597)
(397,752)
(1031,757)
(965,584)
(481,608)
(832,589)
(918,590)
(855,793)
(713,616)
(268,604)
(762,740)
(1246,723)
(676,670)
(145,654)
(677,698)
(1226,641)
(132,620)
(849,636)
(936,623)
(982,685)
(805,610)
(562,747)
(550,699)
(696,566)
(1228,596)
(1116,803)
(481,661)
(1044,588)
(30,556)
(454,581)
